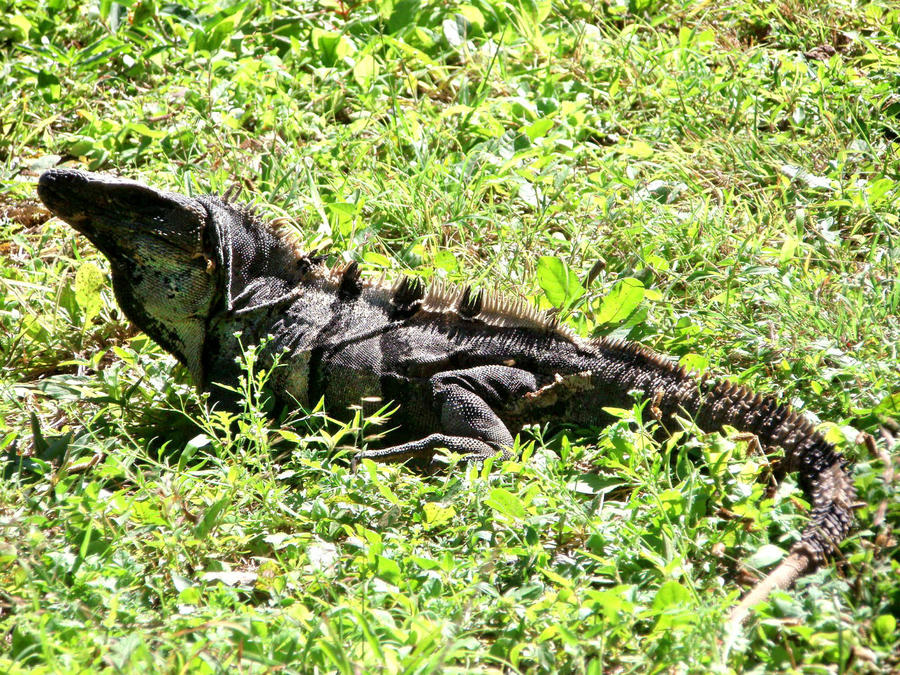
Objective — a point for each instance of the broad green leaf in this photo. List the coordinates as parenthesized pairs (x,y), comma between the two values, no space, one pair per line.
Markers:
(143,12)
(385,8)
(417,56)
(706,38)
(694,363)
(105,7)
(473,15)
(556,578)
(82,146)
(378,259)
(621,301)
(331,46)
(765,556)
(885,627)
(445,260)
(193,446)
(388,570)
(889,405)
(534,11)
(671,595)
(506,503)
(687,37)
(638,149)
(341,216)
(612,601)
(672,502)
(365,70)
(222,30)
(788,248)
(877,189)
(538,128)
(48,84)
(211,517)
(399,13)
(144,130)
(559,283)
(425,563)
(455,109)
(146,512)
(22,23)
(594,484)
(673,603)
(437,514)
(88,283)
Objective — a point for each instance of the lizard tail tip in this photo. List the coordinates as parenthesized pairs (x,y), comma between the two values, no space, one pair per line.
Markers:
(796,565)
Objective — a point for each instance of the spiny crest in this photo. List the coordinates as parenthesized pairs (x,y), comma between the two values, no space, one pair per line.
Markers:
(282,228)
(307,263)
(350,285)
(409,294)
(738,394)
(244,209)
(492,309)
(406,296)
(499,310)
(232,192)
(470,303)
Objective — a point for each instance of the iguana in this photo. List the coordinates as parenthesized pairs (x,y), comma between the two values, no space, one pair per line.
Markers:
(205,278)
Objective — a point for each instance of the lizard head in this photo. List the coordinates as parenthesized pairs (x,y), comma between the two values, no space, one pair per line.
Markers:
(162,249)
(177,262)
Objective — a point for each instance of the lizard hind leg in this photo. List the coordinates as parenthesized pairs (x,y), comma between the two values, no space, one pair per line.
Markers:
(427,449)
(469,425)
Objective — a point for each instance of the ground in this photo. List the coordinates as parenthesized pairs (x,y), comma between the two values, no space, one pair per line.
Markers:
(718,181)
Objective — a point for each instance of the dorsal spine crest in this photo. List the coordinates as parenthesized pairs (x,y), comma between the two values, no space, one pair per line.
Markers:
(470,302)
(406,297)
(350,285)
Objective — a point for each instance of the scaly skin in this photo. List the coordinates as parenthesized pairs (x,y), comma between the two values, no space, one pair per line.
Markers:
(205,278)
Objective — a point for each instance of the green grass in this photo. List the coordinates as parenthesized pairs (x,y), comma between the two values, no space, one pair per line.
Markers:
(705,185)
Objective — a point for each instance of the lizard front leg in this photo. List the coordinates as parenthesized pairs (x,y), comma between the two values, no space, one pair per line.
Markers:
(464,401)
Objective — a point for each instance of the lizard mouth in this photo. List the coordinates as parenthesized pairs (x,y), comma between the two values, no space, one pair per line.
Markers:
(61,192)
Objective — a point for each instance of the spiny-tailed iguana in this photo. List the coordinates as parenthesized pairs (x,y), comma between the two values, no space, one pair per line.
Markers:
(205,278)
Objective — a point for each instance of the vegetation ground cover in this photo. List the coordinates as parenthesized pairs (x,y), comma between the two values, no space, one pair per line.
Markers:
(719,181)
